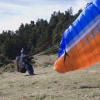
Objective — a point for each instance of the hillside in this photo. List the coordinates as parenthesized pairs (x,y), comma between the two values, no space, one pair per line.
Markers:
(47,84)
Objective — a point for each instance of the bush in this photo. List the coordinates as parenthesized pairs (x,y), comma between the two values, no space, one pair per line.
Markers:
(4,60)
(7,61)
(8,67)
(33,61)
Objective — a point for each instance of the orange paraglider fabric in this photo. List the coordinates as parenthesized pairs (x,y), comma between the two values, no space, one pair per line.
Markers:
(81,41)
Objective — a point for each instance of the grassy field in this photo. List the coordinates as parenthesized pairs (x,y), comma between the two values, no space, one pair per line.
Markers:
(47,84)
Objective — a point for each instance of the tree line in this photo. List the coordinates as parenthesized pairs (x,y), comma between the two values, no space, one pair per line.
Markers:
(35,36)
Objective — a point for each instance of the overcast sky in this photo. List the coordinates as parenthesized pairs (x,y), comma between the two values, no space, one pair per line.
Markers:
(15,12)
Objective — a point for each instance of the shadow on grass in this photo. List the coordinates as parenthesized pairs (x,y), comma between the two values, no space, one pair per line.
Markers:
(83,87)
(35,74)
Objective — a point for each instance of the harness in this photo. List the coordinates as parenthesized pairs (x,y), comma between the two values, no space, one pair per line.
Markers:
(20,65)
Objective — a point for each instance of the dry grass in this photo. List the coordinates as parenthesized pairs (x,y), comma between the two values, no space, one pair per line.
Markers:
(47,84)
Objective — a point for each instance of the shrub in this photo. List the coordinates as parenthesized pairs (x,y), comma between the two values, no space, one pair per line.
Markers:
(4,60)
(8,67)
(33,61)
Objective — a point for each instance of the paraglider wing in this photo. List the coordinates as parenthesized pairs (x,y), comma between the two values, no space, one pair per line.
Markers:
(80,41)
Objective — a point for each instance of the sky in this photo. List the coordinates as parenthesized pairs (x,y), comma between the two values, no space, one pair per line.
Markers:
(15,12)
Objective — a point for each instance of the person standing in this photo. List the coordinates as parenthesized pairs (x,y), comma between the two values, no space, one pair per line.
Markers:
(24,62)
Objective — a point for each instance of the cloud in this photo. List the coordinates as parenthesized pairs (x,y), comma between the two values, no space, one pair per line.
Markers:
(15,12)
